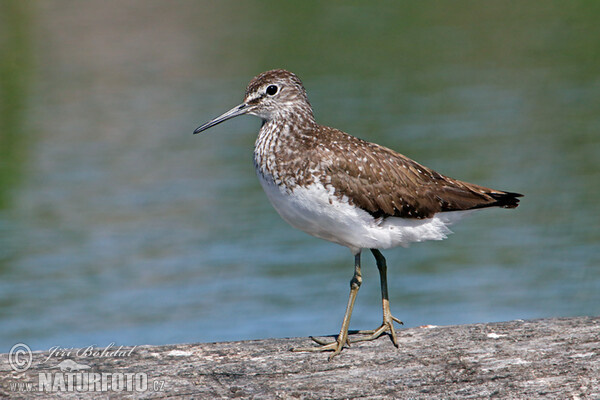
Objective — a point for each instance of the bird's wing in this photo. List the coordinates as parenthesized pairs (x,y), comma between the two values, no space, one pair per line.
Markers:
(385,183)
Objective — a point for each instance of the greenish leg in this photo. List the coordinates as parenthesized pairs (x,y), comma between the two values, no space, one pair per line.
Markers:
(388,318)
(342,338)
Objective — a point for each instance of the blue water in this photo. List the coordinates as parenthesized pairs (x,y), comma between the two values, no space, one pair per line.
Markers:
(121,226)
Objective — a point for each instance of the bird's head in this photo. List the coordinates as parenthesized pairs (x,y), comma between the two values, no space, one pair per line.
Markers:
(272,95)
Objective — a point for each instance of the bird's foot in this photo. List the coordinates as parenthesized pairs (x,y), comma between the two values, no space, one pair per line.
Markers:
(387,325)
(335,346)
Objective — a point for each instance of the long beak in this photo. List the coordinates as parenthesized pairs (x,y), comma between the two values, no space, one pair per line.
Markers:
(234,112)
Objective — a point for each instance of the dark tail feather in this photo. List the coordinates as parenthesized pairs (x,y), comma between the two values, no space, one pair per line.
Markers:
(506,199)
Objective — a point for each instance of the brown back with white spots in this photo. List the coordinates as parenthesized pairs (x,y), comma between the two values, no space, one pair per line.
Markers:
(295,150)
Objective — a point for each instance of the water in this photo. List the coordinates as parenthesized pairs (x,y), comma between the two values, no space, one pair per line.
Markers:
(117,225)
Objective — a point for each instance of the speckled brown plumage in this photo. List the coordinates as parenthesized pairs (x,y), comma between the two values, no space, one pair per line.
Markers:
(343,189)
(296,151)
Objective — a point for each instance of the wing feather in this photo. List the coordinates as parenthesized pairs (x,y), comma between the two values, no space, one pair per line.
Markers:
(385,183)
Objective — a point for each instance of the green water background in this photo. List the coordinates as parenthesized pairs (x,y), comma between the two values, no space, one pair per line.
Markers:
(117,225)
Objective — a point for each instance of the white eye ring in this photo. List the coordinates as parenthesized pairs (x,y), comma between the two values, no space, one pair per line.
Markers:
(272,90)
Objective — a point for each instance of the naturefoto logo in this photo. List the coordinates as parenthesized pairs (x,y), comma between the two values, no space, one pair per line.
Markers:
(72,366)
(64,374)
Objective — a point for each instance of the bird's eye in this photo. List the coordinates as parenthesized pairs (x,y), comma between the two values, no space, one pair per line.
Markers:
(271,90)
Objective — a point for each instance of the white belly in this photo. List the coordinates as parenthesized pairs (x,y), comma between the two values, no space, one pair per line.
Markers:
(315,210)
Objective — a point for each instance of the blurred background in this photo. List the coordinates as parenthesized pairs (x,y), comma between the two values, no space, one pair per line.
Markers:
(118,225)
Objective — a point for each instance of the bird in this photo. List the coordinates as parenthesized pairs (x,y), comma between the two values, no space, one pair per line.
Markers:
(349,191)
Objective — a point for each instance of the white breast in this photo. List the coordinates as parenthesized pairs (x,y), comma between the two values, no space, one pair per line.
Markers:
(315,210)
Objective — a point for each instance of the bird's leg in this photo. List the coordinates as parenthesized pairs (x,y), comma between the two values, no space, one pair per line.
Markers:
(342,338)
(388,318)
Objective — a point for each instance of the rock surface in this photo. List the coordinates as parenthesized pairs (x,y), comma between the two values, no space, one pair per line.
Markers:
(549,358)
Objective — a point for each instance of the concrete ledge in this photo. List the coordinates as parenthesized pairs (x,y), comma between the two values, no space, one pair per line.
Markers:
(549,358)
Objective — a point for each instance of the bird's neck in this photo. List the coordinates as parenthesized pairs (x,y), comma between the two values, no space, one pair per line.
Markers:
(279,142)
